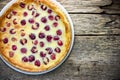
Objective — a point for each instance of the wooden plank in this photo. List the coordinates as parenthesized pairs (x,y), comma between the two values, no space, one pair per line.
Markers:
(96,24)
(85,6)
(92,58)
(92,6)
(112,9)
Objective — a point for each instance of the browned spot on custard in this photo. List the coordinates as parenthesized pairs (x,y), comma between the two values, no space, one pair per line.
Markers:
(17,27)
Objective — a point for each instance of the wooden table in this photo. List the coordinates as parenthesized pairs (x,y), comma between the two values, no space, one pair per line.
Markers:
(96,52)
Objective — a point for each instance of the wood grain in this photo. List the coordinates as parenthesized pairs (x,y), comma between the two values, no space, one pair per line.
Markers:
(96,24)
(86,6)
(92,6)
(92,58)
(114,8)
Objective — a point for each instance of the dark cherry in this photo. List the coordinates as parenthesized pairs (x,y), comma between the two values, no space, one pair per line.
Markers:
(30,7)
(2,29)
(55,24)
(25,59)
(49,38)
(31,58)
(57,17)
(23,41)
(49,50)
(45,60)
(59,32)
(23,22)
(33,13)
(22,34)
(35,42)
(14,47)
(14,21)
(32,36)
(42,54)
(22,5)
(34,49)
(58,50)
(44,19)
(41,35)
(31,20)
(43,7)
(25,14)
(36,26)
(37,63)
(9,16)
(53,56)
(47,28)
(11,54)
(14,39)
(37,14)
(5,40)
(14,12)
(12,31)
(49,11)
(51,17)
(8,24)
(42,44)
(56,38)
(60,43)
(23,50)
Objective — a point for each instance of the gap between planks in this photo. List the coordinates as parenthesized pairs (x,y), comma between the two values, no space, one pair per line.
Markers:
(102,13)
(97,35)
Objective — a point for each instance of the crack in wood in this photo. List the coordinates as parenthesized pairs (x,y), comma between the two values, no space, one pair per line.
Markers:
(78,68)
(107,5)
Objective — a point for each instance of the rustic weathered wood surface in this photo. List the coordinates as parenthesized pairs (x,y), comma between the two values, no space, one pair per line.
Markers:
(96,52)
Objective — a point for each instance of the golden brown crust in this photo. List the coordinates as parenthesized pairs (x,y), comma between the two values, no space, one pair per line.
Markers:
(29,67)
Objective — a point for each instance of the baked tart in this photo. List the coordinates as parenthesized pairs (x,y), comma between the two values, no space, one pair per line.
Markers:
(35,35)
